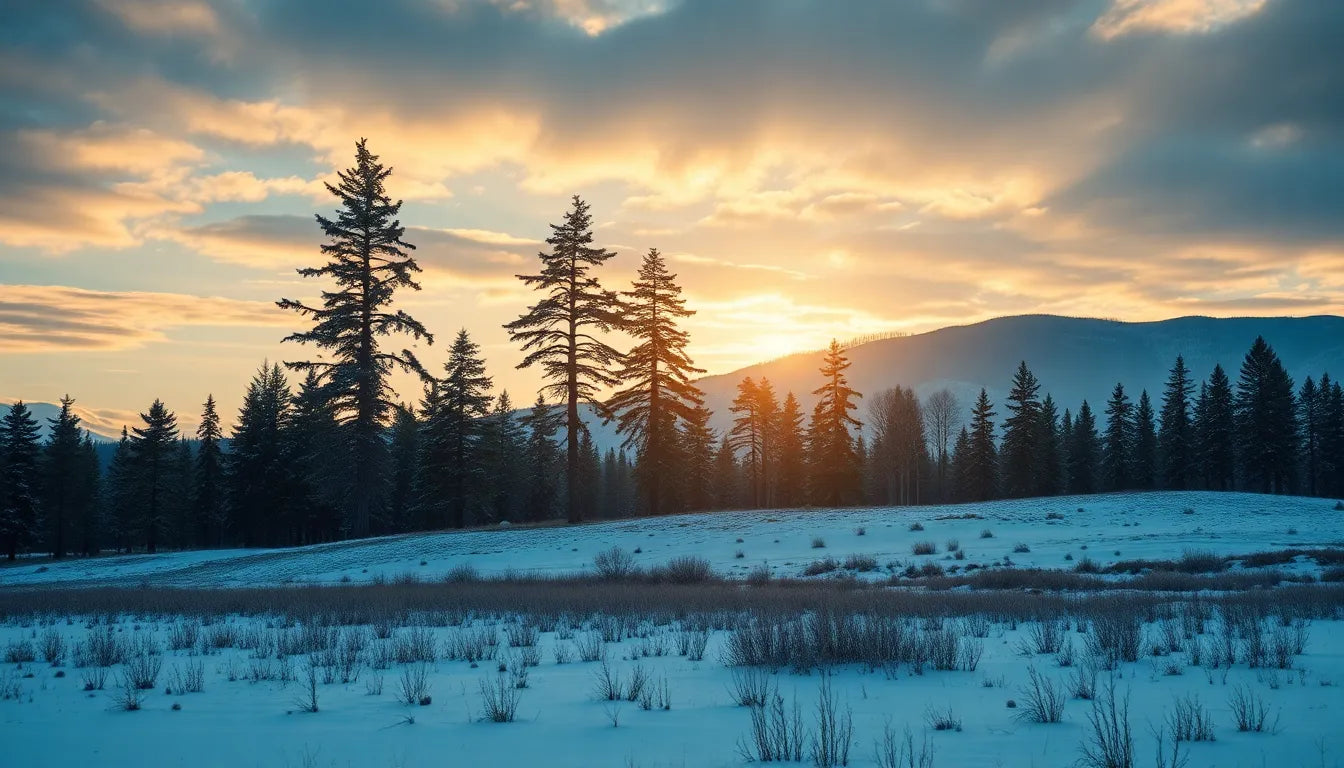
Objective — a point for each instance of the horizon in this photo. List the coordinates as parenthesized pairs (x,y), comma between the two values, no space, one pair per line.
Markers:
(167,156)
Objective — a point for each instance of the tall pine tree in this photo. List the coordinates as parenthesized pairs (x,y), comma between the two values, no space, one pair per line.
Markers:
(1175,438)
(62,482)
(558,332)
(368,261)
(980,470)
(1215,428)
(1084,452)
(1117,458)
(208,502)
(1266,421)
(1143,469)
(20,453)
(153,458)
(1019,459)
(659,396)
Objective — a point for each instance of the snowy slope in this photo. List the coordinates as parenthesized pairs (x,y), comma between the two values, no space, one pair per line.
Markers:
(1106,528)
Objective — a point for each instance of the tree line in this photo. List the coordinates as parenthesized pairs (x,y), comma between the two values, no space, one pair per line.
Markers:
(333,454)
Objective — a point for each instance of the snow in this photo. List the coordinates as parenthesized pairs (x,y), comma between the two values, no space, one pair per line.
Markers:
(47,720)
(1106,528)
(55,723)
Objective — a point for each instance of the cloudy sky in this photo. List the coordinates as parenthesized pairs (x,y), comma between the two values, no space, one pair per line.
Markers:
(813,168)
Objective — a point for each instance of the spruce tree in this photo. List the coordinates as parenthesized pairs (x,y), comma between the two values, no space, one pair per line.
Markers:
(451,468)
(590,474)
(960,466)
(542,461)
(898,453)
(1117,456)
(1216,431)
(1266,421)
(767,409)
(368,261)
(20,454)
(88,501)
(259,466)
(1332,437)
(659,396)
(698,446)
(557,332)
(153,459)
(119,495)
(727,476)
(1310,410)
(749,437)
(403,453)
(181,492)
(980,470)
(836,471)
(62,465)
(791,466)
(313,449)
(1143,470)
(1084,452)
(1175,438)
(502,440)
(1049,454)
(208,502)
(1020,450)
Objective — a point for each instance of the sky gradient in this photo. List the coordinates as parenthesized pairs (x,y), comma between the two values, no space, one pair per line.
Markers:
(810,169)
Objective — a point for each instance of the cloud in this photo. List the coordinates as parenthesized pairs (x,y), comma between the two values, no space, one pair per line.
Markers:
(1172,16)
(55,318)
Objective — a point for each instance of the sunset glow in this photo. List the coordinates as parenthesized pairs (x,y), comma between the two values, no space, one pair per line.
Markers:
(906,166)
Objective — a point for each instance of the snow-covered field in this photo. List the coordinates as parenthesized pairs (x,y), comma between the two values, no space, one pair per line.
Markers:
(1287,655)
(1105,528)
(242,718)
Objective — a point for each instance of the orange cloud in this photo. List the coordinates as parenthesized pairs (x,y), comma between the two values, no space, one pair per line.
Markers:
(1172,16)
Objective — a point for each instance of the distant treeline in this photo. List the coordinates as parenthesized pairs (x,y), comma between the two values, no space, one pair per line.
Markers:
(338,457)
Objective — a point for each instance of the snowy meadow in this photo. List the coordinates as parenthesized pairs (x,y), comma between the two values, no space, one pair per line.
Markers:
(1226,650)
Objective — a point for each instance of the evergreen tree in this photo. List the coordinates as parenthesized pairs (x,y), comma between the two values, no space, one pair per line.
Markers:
(208,502)
(590,473)
(404,454)
(791,465)
(88,502)
(767,407)
(312,446)
(698,441)
(1065,445)
(153,454)
(1310,412)
(1332,437)
(659,396)
(1143,470)
(20,454)
(540,483)
(558,331)
(258,464)
(960,465)
(898,453)
(980,470)
(835,465)
(119,495)
(502,440)
(1216,432)
(1117,458)
(368,261)
(62,481)
(1049,455)
(727,476)
(451,468)
(1019,457)
(1266,421)
(749,437)
(1084,452)
(181,491)
(1175,438)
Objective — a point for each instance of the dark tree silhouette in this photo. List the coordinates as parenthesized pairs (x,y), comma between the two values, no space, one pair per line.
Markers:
(259,469)
(1266,421)
(451,470)
(19,479)
(557,332)
(699,443)
(63,486)
(1175,438)
(153,447)
(1084,452)
(368,261)
(980,470)
(835,464)
(1143,469)
(1117,458)
(659,396)
(502,440)
(541,461)
(208,501)
(791,464)
(1215,427)
(1019,452)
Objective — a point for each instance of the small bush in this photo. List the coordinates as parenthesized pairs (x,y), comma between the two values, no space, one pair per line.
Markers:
(750,686)
(20,652)
(1200,561)
(916,527)
(413,687)
(952,545)
(1021,549)
(129,696)
(986,534)
(758,576)
(1043,699)
(1087,565)
(1189,720)
(1109,743)
(863,563)
(614,564)
(1249,711)
(818,567)
(924,548)
(891,752)
(942,719)
(818,543)
(53,648)
(686,569)
(499,700)
(860,531)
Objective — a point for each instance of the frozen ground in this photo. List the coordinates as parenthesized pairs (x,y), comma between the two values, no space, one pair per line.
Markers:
(1106,528)
(244,716)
